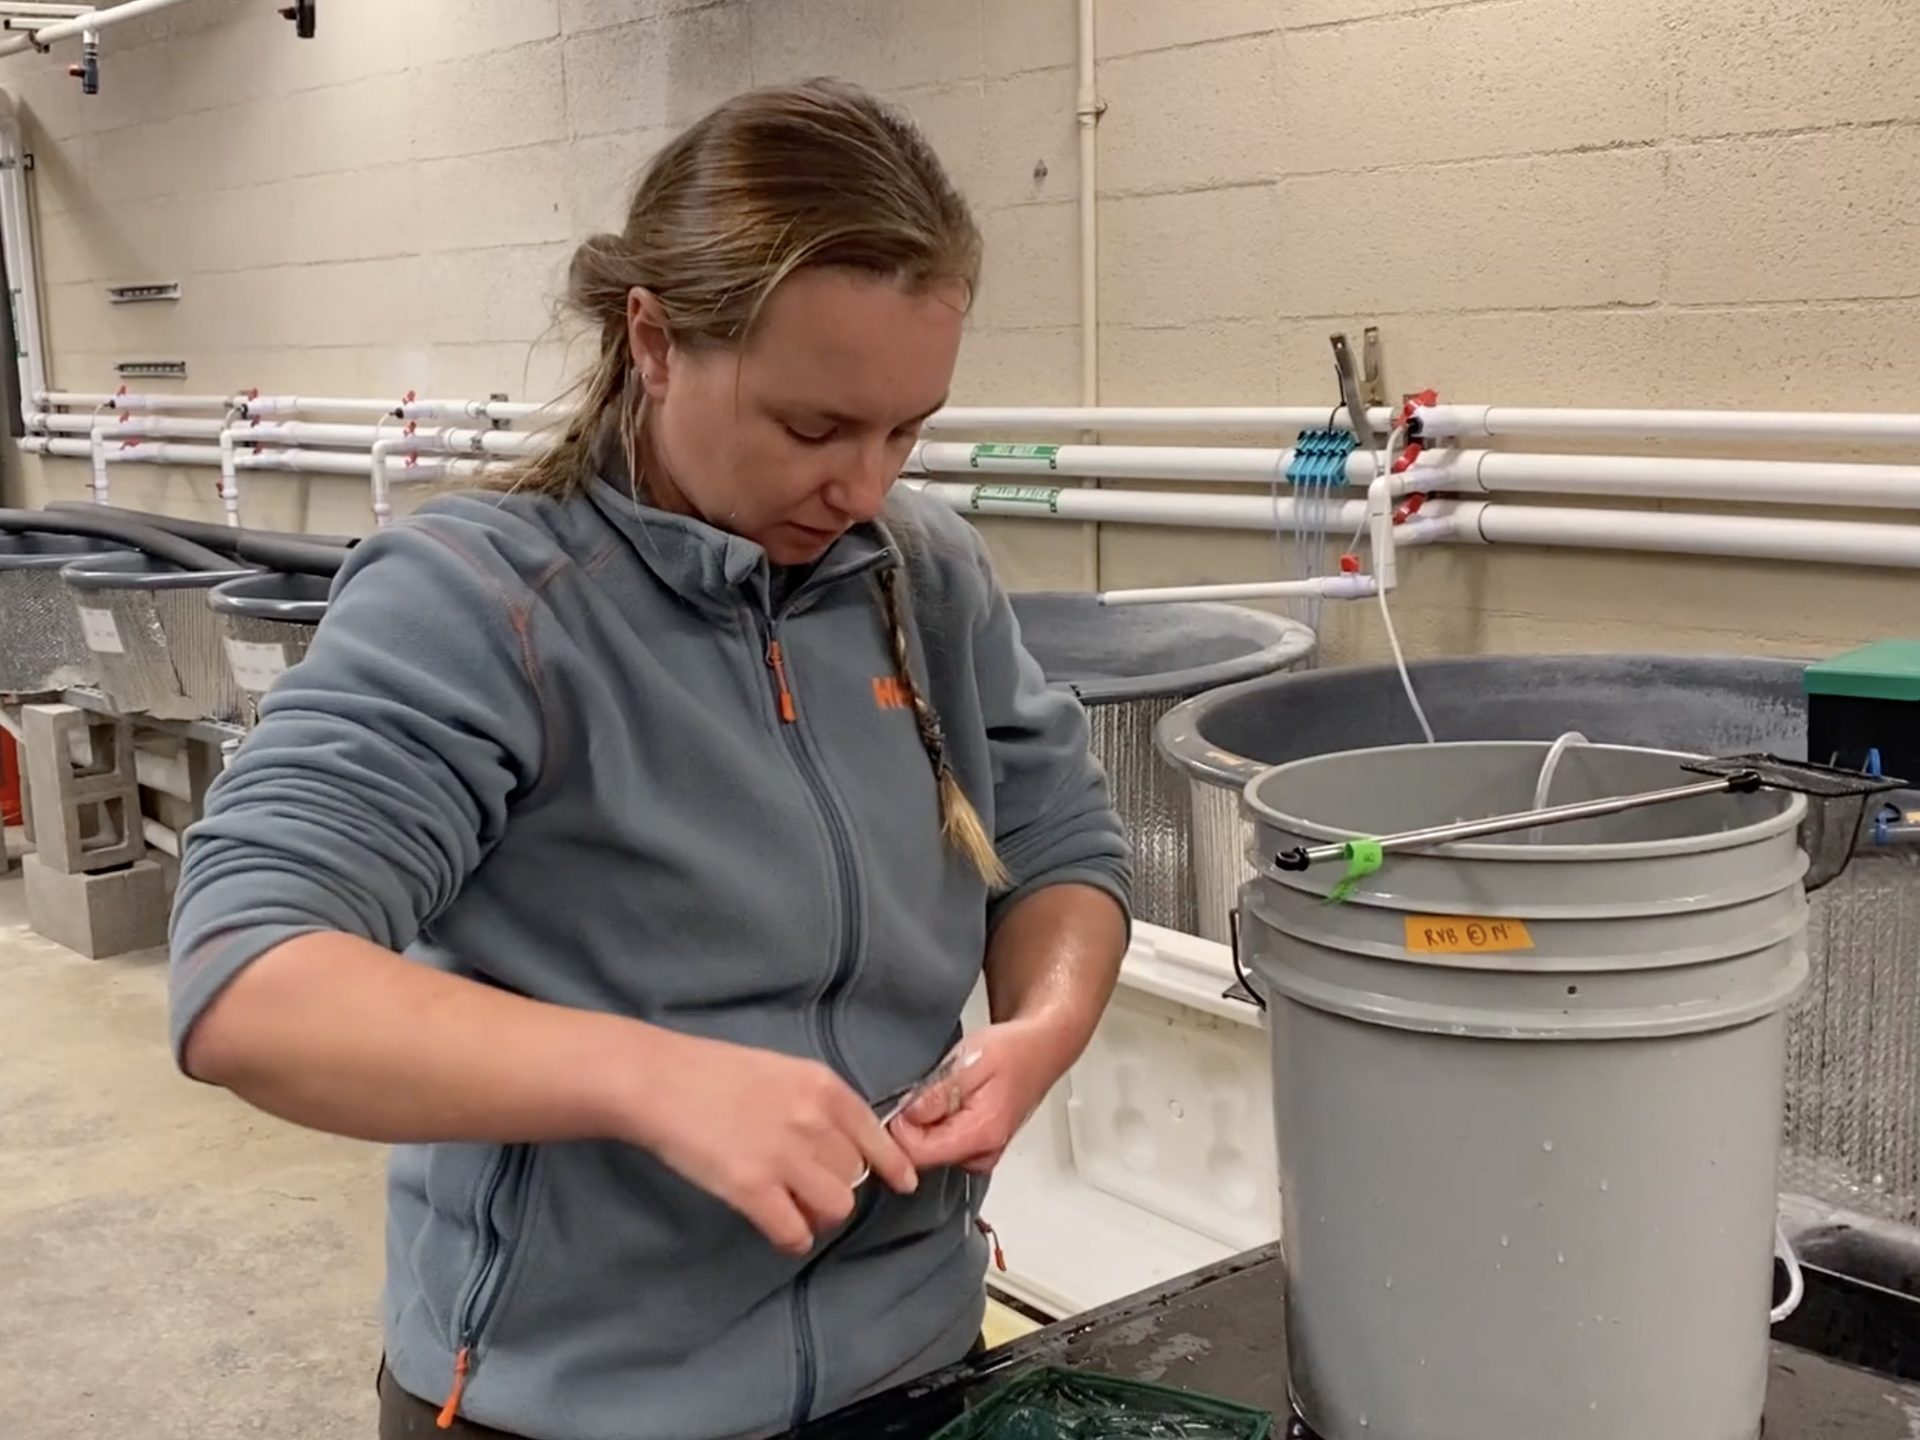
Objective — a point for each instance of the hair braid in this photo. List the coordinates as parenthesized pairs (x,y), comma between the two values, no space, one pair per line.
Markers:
(960,822)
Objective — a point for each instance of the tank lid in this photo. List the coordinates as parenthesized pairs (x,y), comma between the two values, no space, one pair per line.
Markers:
(1886,670)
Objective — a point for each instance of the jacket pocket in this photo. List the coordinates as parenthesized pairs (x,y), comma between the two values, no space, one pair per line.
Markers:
(500,1201)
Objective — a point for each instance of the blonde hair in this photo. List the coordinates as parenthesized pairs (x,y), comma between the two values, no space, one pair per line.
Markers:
(771,182)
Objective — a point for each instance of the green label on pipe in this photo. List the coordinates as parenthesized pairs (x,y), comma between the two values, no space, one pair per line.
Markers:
(1048,453)
(1047,495)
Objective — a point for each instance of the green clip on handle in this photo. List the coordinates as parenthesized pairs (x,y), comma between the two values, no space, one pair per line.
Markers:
(1364,858)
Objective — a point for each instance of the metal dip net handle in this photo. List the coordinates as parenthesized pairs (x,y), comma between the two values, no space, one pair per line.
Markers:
(1837,801)
(1301,857)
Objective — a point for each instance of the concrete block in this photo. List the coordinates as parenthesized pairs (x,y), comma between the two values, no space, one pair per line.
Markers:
(1031,276)
(1542,357)
(225,149)
(98,915)
(953,119)
(1499,80)
(1182,259)
(1019,367)
(881,43)
(356,39)
(600,175)
(504,294)
(1799,357)
(1196,117)
(659,72)
(1307,14)
(1802,218)
(1036,554)
(1026,142)
(140,87)
(247,58)
(464,28)
(1743,65)
(1124,27)
(1022,36)
(510,197)
(356,126)
(579,16)
(1556,231)
(491,102)
(1221,362)
(80,769)
(358,302)
(360,215)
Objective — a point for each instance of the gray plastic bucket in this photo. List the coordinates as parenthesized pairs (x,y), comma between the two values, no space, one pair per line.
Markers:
(1527,1097)
(266,623)
(156,642)
(1853,1043)
(42,648)
(1130,665)
(1221,740)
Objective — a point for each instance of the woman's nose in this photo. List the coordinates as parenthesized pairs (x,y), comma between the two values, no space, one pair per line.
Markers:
(860,493)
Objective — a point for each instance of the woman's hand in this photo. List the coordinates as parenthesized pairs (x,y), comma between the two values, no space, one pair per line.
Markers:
(782,1141)
(967,1120)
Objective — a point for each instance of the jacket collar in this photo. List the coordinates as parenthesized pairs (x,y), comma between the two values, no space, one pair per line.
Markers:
(709,568)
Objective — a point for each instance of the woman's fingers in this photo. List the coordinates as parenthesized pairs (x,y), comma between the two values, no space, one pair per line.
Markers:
(774,1214)
(883,1155)
(974,1133)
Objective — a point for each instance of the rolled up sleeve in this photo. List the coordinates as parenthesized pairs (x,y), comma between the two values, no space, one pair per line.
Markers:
(383,766)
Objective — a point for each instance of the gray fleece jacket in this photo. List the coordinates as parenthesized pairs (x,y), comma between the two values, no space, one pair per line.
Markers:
(540,743)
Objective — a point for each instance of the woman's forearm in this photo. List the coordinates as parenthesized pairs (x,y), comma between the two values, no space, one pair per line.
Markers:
(333,1032)
(1053,961)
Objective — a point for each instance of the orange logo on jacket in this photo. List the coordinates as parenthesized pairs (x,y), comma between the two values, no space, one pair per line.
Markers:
(890,693)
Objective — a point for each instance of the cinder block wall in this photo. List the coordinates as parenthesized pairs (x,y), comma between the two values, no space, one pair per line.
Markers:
(1607,202)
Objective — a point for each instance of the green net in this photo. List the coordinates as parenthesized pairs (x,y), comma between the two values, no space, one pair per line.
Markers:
(1054,1404)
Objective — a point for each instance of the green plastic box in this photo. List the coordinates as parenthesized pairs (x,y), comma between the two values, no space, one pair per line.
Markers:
(1059,1404)
(1867,702)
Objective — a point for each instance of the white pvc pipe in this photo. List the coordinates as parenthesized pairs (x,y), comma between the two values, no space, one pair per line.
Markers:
(86,400)
(1773,482)
(312,462)
(1193,464)
(97,455)
(1473,521)
(447,439)
(229,477)
(1147,419)
(1328,587)
(1143,507)
(1839,542)
(175,427)
(1865,427)
(16,233)
(86,20)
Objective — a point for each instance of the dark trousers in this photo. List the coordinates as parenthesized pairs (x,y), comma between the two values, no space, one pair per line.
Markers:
(403,1417)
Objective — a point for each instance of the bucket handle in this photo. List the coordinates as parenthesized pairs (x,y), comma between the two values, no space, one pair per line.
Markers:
(1796,1282)
(1242,987)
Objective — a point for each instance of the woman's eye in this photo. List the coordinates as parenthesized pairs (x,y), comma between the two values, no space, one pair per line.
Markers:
(804,438)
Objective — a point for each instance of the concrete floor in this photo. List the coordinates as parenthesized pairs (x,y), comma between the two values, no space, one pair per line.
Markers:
(173,1265)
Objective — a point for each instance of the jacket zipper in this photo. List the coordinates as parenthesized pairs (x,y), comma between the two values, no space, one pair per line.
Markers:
(496,1252)
(848,944)
(851,939)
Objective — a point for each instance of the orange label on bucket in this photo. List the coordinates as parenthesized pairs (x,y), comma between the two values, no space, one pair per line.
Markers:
(1459,935)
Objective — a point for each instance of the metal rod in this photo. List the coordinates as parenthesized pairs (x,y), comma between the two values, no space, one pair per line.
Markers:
(1300,858)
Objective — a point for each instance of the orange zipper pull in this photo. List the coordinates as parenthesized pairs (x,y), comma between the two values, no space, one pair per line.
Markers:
(777,660)
(993,1239)
(451,1409)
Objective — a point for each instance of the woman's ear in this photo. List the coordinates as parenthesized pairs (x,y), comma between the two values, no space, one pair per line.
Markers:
(649,341)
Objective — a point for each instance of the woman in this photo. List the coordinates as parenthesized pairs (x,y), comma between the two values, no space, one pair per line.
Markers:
(697,792)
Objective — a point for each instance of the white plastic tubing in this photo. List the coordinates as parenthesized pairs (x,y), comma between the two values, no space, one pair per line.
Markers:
(1471,522)
(99,19)
(1442,422)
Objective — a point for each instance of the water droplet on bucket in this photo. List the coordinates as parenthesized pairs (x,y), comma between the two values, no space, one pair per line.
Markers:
(1505,1243)
(1561,1258)
(1389,1282)
(1423,1362)
(1547,1145)
(1593,1404)
(1604,1187)
(1363,1422)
